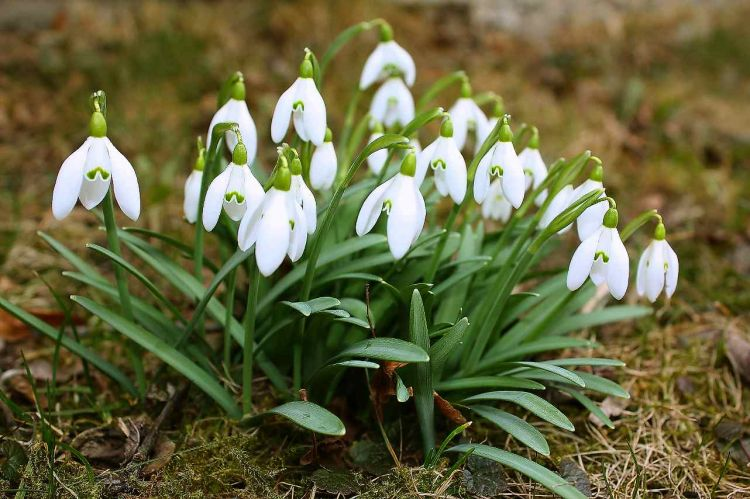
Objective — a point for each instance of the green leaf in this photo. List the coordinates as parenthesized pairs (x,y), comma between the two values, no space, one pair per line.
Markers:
(166,353)
(356,363)
(71,257)
(488,382)
(311,417)
(615,313)
(563,373)
(515,426)
(531,403)
(341,40)
(70,344)
(589,404)
(402,393)
(392,349)
(534,347)
(423,393)
(603,385)
(536,472)
(459,275)
(307,308)
(441,350)
(356,321)
(586,361)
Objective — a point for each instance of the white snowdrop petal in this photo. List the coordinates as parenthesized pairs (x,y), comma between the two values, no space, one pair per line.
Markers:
(239,113)
(655,272)
(219,117)
(376,161)
(482,177)
(323,166)
(456,174)
(283,112)
(403,60)
(514,181)
(372,68)
(254,193)
(214,200)
(557,205)
(673,270)
(248,230)
(314,114)
(125,183)
(618,267)
(403,217)
(299,232)
(640,276)
(192,196)
(459,114)
(424,158)
(68,183)
(309,208)
(274,234)
(371,208)
(582,261)
(96,185)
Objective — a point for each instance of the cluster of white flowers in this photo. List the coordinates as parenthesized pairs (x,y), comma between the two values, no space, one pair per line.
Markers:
(278,221)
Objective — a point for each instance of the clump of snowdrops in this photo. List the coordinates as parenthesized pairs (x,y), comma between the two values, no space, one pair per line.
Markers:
(361,262)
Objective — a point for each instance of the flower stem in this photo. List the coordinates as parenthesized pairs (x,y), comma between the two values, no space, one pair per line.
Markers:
(248,324)
(437,255)
(113,241)
(229,306)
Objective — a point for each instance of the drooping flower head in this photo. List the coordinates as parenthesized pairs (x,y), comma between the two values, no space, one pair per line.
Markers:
(235,190)
(193,187)
(303,196)
(495,206)
(88,172)
(303,104)
(559,203)
(445,159)
(235,110)
(467,117)
(277,226)
(388,59)
(658,268)
(376,161)
(591,220)
(533,166)
(501,161)
(392,103)
(323,164)
(400,199)
(603,257)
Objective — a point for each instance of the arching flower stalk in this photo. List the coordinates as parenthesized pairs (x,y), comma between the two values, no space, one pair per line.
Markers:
(603,257)
(193,187)
(658,267)
(447,163)
(501,161)
(303,196)
(388,59)
(392,103)
(467,118)
(303,104)
(235,110)
(591,220)
(323,164)
(88,172)
(277,227)
(235,190)
(400,199)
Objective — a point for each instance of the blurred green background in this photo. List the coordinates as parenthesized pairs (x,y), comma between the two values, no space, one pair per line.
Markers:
(659,90)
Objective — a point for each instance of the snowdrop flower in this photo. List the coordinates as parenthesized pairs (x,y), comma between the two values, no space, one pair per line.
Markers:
(591,220)
(235,190)
(447,163)
(376,161)
(658,268)
(603,257)
(533,166)
(388,59)
(498,111)
(277,227)
(495,206)
(392,103)
(467,117)
(193,188)
(323,165)
(235,110)
(559,203)
(87,173)
(302,103)
(400,199)
(303,196)
(501,161)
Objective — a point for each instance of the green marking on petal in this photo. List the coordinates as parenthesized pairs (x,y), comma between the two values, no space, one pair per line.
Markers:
(91,174)
(438,163)
(239,198)
(298,106)
(497,171)
(291,224)
(603,255)
(387,205)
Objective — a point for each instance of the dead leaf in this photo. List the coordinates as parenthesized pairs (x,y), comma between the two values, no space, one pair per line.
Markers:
(162,454)
(738,352)
(447,410)
(576,475)
(613,407)
(111,445)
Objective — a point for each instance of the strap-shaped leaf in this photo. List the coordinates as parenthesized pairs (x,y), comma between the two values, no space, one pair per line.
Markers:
(531,403)
(603,385)
(424,401)
(537,472)
(589,404)
(309,307)
(515,426)
(392,349)
(311,417)
(615,313)
(560,371)
(450,339)
(586,361)
(488,382)
(165,352)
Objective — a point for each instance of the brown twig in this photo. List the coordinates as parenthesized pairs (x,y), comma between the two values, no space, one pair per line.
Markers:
(148,442)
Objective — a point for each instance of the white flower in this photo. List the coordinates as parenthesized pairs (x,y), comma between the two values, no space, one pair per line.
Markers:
(235,190)
(495,206)
(276,227)
(303,103)
(376,161)
(87,173)
(535,170)
(447,162)
(392,103)
(387,58)
(559,203)
(467,117)
(591,219)
(303,196)
(658,269)
(401,200)
(501,161)
(236,111)
(192,195)
(603,257)
(323,165)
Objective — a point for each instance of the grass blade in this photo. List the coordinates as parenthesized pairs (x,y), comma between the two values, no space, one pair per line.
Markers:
(423,398)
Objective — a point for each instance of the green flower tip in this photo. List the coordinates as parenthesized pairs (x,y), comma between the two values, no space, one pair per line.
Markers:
(283,179)
(296,167)
(238,87)
(597,174)
(386,32)
(97,125)
(611,218)
(534,140)
(239,155)
(660,232)
(377,127)
(329,135)
(498,109)
(409,164)
(506,135)
(200,161)
(466,89)
(446,129)
(306,69)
